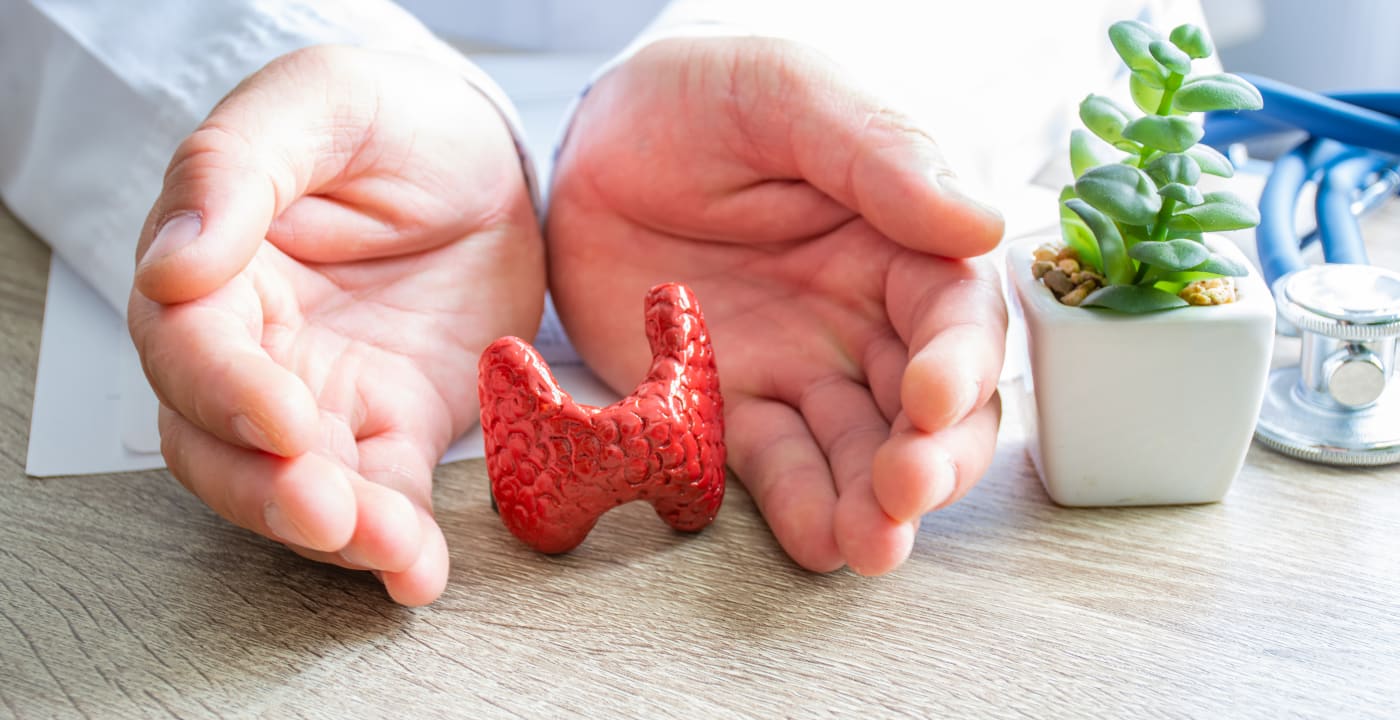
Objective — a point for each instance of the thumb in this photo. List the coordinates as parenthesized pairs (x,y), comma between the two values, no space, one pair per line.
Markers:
(282,132)
(212,214)
(874,160)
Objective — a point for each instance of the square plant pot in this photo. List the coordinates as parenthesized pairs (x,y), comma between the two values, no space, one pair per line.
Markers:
(1155,409)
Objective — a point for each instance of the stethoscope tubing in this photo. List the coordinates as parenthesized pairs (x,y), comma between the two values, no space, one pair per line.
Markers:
(1336,223)
(1364,119)
(1354,136)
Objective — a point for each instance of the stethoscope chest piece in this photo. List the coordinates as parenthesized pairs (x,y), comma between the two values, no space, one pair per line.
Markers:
(1337,406)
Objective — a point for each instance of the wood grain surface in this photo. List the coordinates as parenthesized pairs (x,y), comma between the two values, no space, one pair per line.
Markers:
(122,596)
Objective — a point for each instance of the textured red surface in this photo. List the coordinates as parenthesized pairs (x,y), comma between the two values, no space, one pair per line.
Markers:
(556,466)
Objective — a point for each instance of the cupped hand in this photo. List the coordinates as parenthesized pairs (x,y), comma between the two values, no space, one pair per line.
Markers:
(822,232)
(332,249)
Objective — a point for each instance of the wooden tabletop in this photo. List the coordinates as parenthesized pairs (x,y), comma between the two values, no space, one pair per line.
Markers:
(122,596)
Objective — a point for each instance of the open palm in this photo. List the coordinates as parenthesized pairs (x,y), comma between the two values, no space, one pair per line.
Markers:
(858,362)
(332,250)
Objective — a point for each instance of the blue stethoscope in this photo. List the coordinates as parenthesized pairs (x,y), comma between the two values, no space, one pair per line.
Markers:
(1339,405)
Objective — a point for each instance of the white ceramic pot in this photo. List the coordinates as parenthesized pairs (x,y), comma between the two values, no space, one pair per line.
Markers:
(1154,409)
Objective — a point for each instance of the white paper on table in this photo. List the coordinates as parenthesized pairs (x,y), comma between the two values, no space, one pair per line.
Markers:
(95,413)
(80,394)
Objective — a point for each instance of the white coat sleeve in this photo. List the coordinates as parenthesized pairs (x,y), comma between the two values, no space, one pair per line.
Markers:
(95,97)
(996,83)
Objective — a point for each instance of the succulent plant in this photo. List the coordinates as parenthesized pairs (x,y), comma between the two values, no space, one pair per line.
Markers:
(1134,212)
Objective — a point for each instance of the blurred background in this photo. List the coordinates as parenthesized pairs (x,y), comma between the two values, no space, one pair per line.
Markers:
(558,25)
(1332,45)
(1316,44)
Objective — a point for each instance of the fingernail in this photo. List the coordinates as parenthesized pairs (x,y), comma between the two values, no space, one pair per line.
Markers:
(177,232)
(352,556)
(946,483)
(967,395)
(950,185)
(251,434)
(281,526)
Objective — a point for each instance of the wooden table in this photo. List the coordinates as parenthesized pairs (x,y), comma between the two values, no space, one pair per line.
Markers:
(122,596)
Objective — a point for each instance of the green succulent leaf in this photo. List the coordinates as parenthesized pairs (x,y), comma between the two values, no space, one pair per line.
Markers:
(1117,267)
(1187,195)
(1103,117)
(1184,226)
(1133,234)
(1168,134)
(1217,92)
(1218,264)
(1192,40)
(1134,299)
(1192,235)
(1170,56)
(1151,79)
(1087,151)
(1133,41)
(1174,168)
(1123,192)
(1146,90)
(1078,235)
(1220,211)
(1211,161)
(1170,254)
(1175,282)
(1080,238)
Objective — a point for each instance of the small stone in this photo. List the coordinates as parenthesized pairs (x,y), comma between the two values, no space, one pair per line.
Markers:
(1077,295)
(1084,276)
(1041,267)
(1069,266)
(1045,252)
(1220,296)
(1058,282)
(1215,291)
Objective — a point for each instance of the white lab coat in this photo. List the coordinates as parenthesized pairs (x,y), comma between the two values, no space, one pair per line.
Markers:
(95,96)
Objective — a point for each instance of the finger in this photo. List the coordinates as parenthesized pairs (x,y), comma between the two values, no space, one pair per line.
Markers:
(396,536)
(872,542)
(847,425)
(208,221)
(367,211)
(773,453)
(423,581)
(261,148)
(387,532)
(953,318)
(307,500)
(204,362)
(393,501)
(419,584)
(916,472)
(883,364)
(851,146)
(328,230)
(973,465)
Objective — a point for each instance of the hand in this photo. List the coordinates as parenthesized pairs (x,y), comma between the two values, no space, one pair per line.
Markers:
(333,248)
(858,363)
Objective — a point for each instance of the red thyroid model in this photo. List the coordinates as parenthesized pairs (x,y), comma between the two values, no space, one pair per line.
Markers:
(556,466)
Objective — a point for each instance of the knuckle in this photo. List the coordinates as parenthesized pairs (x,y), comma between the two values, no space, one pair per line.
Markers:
(217,136)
